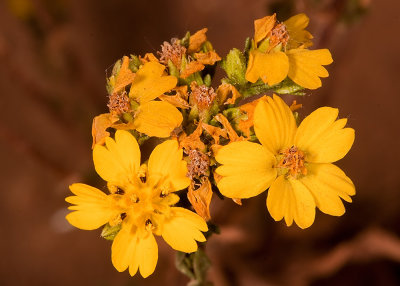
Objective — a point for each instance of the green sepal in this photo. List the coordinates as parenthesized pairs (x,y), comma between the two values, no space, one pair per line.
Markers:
(116,67)
(263,46)
(185,40)
(173,70)
(207,80)
(247,46)
(235,67)
(206,47)
(134,63)
(184,263)
(288,87)
(201,263)
(109,232)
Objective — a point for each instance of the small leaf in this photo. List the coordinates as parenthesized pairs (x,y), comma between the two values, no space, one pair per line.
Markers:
(235,67)
(184,263)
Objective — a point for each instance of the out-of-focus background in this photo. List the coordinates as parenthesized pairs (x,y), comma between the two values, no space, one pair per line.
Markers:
(53,60)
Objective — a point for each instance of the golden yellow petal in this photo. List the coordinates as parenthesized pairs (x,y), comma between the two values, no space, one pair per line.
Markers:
(166,165)
(263,26)
(297,35)
(182,230)
(120,161)
(247,169)
(306,66)
(157,118)
(291,200)
(92,208)
(328,183)
(196,40)
(274,124)
(149,82)
(124,248)
(147,254)
(323,138)
(148,57)
(272,68)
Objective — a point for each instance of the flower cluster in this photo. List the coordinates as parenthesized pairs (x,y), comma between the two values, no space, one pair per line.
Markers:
(209,137)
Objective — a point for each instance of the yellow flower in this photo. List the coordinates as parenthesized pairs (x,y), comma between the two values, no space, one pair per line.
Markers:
(281,51)
(154,118)
(293,162)
(141,199)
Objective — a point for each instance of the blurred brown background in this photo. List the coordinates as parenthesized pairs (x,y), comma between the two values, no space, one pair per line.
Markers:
(53,58)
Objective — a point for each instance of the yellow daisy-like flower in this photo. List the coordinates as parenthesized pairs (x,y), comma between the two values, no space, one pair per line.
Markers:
(293,162)
(154,118)
(141,199)
(281,51)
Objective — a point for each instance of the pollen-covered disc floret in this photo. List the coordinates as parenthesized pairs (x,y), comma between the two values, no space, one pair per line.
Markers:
(293,162)
(141,201)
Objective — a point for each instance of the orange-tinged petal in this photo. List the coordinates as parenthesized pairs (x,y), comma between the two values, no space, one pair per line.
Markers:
(183,229)
(291,200)
(297,35)
(272,68)
(274,124)
(125,75)
(191,68)
(328,184)
(209,58)
(176,100)
(118,161)
(248,108)
(201,199)
(157,118)
(215,132)
(99,128)
(193,141)
(149,82)
(196,40)
(247,169)
(165,163)
(306,66)
(92,208)
(323,138)
(224,91)
(263,26)
(228,127)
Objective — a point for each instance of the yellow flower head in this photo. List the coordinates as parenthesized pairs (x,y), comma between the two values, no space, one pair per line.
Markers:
(293,162)
(141,199)
(280,51)
(154,118)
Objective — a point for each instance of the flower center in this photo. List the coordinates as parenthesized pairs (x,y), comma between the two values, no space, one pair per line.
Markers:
(202,95)
(172,51)
(291,162)
(198,165)
(279,35)
(119,103)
